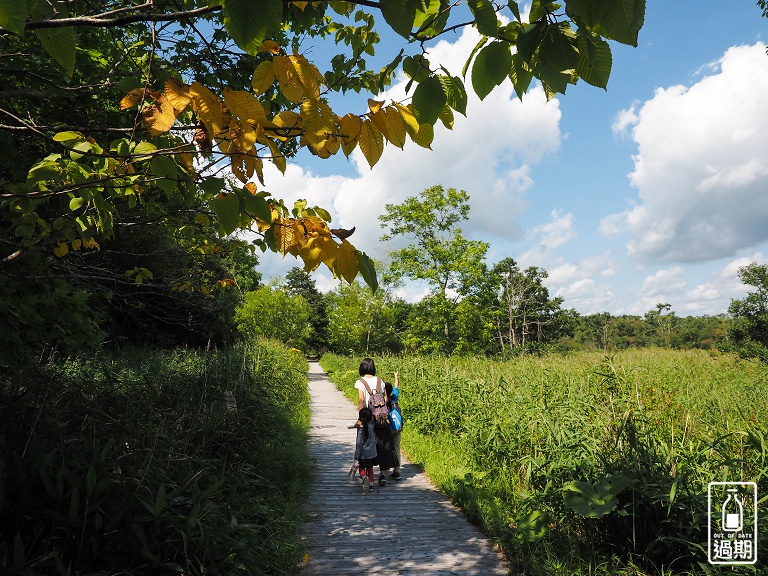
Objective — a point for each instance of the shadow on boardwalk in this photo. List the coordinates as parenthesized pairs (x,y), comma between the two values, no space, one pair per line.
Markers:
(407,527)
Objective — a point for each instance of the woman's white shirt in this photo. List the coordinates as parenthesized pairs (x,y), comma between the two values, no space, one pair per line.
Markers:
(371,380)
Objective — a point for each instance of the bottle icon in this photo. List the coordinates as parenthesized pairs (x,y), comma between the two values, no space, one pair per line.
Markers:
(732,513)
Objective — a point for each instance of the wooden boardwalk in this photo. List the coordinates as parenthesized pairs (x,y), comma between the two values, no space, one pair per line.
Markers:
(403,528)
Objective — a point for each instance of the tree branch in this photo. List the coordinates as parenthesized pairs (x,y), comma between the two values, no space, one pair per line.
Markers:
(104,22)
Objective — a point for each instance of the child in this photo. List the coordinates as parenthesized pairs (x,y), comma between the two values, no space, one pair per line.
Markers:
(365,448)
(393,397)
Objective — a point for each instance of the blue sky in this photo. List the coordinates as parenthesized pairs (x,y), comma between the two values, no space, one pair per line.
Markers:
(652,191)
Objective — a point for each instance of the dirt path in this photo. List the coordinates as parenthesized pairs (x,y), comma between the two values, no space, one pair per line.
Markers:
(403,528)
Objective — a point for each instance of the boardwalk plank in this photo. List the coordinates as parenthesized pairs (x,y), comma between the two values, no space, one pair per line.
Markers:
(402,528)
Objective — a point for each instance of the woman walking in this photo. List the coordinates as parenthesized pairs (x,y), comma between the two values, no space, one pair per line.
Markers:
(366,385)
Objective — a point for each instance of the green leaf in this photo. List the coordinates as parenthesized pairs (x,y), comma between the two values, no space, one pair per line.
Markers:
(532,526)
(212,185)
(558,47)
(249,21)
(485,16)
(90,480)
(618,20)
(60,43)
(227,209)
(257,206)
(529,38)
(13,15)
(367,270)
(515,9)
(455,93)
(416,67)
(521,75)
(76,203)
(165,169)
(323,213)
(491,67)
(160,501)
(75,152)
(68,136)
(595,60)
(595,500)
(428,100)
(400,15)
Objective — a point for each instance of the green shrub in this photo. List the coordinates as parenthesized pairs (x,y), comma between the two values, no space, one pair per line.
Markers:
(132,462)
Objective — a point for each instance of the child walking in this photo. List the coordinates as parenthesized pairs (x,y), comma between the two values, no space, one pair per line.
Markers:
(395,422)
(365,448)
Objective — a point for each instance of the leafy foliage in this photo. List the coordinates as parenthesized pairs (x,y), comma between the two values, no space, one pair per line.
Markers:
(271,313)
(124,470)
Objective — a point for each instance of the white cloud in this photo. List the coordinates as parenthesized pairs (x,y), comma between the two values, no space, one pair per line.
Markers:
(700,170)
(554,234)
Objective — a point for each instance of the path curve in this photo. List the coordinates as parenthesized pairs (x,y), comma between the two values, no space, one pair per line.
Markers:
(404,528)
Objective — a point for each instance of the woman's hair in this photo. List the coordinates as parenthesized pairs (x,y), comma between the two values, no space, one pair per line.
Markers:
(366,417)
(388,388)
(367,367)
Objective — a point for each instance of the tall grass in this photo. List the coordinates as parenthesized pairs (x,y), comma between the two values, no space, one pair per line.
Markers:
(506,440)
(132,463)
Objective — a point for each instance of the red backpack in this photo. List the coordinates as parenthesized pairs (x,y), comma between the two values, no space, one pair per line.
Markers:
(378,405)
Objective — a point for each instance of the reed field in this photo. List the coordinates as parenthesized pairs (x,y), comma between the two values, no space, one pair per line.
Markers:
(132,462)
(586,463)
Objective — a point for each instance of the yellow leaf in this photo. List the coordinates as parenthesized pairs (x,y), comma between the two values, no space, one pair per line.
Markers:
(91,244)
(208,107)
(315,224)
(350,127)
(288,124)
(346,262)
(288,77)
(309,76)
(328,147)
(411,124)
(61,250)
(244,105)
(159,117)
(391,124)
(277,158)
(317,250)
(371,142)
(133,97)
(177,94)
(263,77)
(76,244)
(318,121)
(374,105)
(300,5)
(258,168)
(289,236)
(270,46)
(424,136)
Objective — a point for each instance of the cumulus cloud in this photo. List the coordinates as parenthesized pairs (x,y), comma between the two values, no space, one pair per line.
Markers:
(700,170)
(554,234)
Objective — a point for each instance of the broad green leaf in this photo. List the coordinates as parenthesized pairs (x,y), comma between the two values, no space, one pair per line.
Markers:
(521,75)
(432,18)
(367,270)
(60,43)
(446,117)
(515,9)
(13,15)
(528,40)
(485,16)
(257,206)
(212,185)
(227,209)
(249,21)
(68,136)
(76,203)
(595,60)
(165,173)
(323,213)
(532,526)
(76,152)
(428,100)
(455,93)
(558,47)
(416,67)
(618,20)
(400,15)
(491,67)
(595,500)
